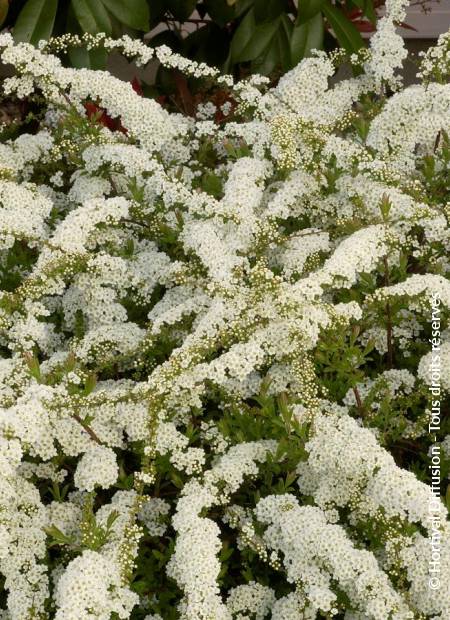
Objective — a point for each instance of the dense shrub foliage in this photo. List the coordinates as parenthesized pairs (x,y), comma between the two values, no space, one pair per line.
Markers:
(259,35)
(216,343)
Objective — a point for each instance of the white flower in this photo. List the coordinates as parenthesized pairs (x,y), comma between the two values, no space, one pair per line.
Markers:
(97,467)
(91,587)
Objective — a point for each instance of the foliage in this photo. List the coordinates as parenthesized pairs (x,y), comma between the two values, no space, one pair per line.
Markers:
(237,35)
(218,333)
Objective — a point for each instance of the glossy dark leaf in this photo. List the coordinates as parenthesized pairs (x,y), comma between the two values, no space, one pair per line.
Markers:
(4,6)
(367,8)
(250,39)
(266,10)
(269,60)
(35,21)
(157,8)
(345,32)
(132,13)
(208,44)
(308,9)
(80,57)
(306,37)
(220,11)
(241,6)
(89,59)
(92,16)
(282,38)
(181,9)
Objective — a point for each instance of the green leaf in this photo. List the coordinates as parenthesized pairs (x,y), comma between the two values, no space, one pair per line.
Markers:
(208,44)
(346,33)
(92,16)
(80,57)
(283,39)
(270,59)
(367,8)
(132,13)
(251,40)
(33,366)
(219,11)
(35,21)
(266,10)
(306,37)
(181,9)
(58,537)
(112,518)
(89,384)
(241,6)
(4,6)
(308,9)
(212,184)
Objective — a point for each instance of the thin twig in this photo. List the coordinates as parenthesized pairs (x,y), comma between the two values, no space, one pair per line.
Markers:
(359,403)
(87,428)
(390,348)
(436,142)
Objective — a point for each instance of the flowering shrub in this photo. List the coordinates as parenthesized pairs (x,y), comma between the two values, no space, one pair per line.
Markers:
(216,344)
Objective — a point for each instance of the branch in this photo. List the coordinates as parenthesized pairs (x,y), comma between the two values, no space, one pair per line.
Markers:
(87,428)
(359,403)
(390,348)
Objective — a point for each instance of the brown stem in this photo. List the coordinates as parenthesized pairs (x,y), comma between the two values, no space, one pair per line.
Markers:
(436,142)
(113,185)
(359,403)
(87,428)
(128,221)
(390,348)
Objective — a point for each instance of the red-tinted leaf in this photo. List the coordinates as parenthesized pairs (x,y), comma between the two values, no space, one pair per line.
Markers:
(135,83)
(99,115)
(354,13)
(184,94)
(96,113)
(363,25)
(407,26)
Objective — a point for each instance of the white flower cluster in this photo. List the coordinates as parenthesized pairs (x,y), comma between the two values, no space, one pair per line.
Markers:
(91,588)
(316,552)
(206,363)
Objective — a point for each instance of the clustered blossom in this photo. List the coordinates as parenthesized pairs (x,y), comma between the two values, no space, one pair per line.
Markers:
(216,337)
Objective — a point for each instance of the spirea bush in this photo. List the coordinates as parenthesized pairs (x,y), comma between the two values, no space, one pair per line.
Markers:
(216,343)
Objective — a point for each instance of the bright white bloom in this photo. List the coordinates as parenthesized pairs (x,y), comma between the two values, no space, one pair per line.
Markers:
(97,467)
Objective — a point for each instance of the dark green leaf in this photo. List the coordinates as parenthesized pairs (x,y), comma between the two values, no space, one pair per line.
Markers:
(219,11)
(306,37)
(266,10)
(251,40)
(241,6)
(208,44)
(346,33)
(89,59)
(367,8)
(4,6)
(132,13)
(35,21)
(92,16)
(369,11)
(80,57)
(282,39)
(157,8)
(181,9)
(308,9)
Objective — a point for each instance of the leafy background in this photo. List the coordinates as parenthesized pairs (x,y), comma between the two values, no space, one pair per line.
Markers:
(239,36)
